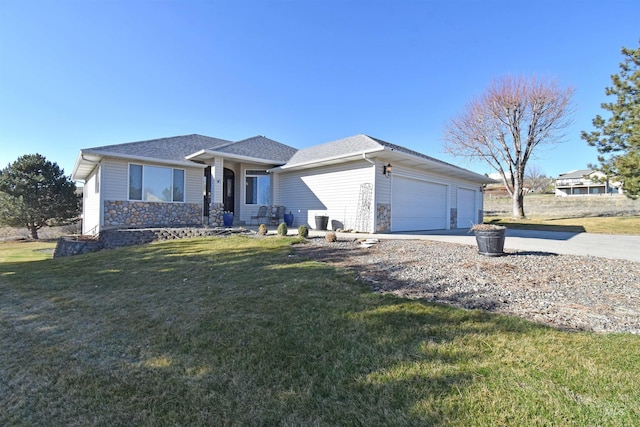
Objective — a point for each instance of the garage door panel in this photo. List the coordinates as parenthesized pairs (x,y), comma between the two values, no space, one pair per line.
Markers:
(466,208)
(418,205)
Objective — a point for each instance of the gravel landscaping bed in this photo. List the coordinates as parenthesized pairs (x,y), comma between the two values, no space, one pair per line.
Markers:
(564,291)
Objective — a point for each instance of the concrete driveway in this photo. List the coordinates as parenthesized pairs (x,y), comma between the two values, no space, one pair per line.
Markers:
(568,243)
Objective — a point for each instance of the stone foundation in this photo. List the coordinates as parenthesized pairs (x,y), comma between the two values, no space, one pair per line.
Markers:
(151,214)
(110,239)
(215,214)
(69,246)
(453,218)
(383,218)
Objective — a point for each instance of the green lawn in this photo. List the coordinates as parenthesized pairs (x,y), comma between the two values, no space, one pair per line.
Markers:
(602,225)
(240,331)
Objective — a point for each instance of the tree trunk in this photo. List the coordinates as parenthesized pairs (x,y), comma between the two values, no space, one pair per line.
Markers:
(518,202)
(34,232)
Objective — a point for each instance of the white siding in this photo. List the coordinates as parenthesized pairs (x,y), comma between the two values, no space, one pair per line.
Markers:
(194,185)
(329,190)
(115,179)
(91,205)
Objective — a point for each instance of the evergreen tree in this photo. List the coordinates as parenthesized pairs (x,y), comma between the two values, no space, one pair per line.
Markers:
(618,137)
(35,193)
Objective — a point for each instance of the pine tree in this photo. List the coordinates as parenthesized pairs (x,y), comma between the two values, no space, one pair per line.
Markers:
(618,137)
(34,193)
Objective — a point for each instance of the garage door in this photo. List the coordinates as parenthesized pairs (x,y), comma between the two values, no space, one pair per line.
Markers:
(418,205)
(466,208)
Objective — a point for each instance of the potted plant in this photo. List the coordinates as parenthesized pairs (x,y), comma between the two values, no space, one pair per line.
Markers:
(321,222)
(227,218)
(490,238)
(288,219)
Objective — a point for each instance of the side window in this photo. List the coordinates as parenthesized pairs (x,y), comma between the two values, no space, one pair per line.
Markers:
(257,187)
(156,184)
(135,182)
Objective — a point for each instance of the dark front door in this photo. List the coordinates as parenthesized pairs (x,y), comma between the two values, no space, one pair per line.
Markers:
(207,190)
(228,190)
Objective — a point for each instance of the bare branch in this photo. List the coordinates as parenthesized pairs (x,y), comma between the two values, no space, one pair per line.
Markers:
(505,125)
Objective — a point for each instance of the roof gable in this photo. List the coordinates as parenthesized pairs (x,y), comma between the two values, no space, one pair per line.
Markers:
(352,145)
(260,147)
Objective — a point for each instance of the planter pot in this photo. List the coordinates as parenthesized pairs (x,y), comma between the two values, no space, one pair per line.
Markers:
(491,242)
(227,218)
(288,219)
(321,222)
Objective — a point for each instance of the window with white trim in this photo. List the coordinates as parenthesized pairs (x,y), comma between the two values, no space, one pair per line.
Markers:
(156,183)
(257,187)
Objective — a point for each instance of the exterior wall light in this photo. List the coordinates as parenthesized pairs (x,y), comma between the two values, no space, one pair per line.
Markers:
(386,170)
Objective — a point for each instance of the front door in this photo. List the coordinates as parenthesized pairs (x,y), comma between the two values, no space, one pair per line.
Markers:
(228,190)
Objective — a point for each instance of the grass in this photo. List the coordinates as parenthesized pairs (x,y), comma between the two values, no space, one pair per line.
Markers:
(604,225)
(25,250)
(240,331)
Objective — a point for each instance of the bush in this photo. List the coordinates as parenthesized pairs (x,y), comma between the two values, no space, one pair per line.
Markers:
(303,231)
(282,229)
(262,230)
(330,236)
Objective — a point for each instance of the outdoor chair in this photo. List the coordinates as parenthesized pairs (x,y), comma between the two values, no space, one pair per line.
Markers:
(277,213)
(261,214)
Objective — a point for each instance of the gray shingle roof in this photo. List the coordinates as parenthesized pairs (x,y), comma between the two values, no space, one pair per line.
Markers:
(349,146)
(343,147)
(576,174)
(172,149)
(260,147)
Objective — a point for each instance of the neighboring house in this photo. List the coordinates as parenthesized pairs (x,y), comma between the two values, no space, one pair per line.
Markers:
(585,182)
(191,180)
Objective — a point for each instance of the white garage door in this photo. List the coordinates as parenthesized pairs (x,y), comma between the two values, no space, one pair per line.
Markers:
(466,208)
(418,205)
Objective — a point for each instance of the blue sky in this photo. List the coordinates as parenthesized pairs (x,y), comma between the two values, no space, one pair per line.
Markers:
(80,74)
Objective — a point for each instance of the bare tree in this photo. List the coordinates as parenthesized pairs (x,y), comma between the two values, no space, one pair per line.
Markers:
(507,123)
(535,179)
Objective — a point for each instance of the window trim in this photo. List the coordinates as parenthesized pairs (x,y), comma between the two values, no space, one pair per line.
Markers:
(142,199)
(255,173)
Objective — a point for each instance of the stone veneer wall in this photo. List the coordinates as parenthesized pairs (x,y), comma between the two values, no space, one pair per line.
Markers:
(151,214)
(216,210)
(383,218)
(115,238)
(453,218)
(130,237)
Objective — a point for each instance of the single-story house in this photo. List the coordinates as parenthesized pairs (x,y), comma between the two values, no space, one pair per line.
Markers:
(586,182)
(361,183)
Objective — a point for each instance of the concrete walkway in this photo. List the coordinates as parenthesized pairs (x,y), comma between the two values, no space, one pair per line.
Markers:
(568,243)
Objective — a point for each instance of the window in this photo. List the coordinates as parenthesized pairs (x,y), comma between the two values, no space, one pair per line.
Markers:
(257,187)
(159,184)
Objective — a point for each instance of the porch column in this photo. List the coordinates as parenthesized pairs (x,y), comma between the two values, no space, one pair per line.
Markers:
(218,179)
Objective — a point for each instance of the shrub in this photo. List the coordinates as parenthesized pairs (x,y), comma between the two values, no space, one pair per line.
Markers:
(330,236)
(262,230)
(282,229)
(303,231)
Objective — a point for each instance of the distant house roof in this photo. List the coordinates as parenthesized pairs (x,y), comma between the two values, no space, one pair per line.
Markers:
(576,174)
